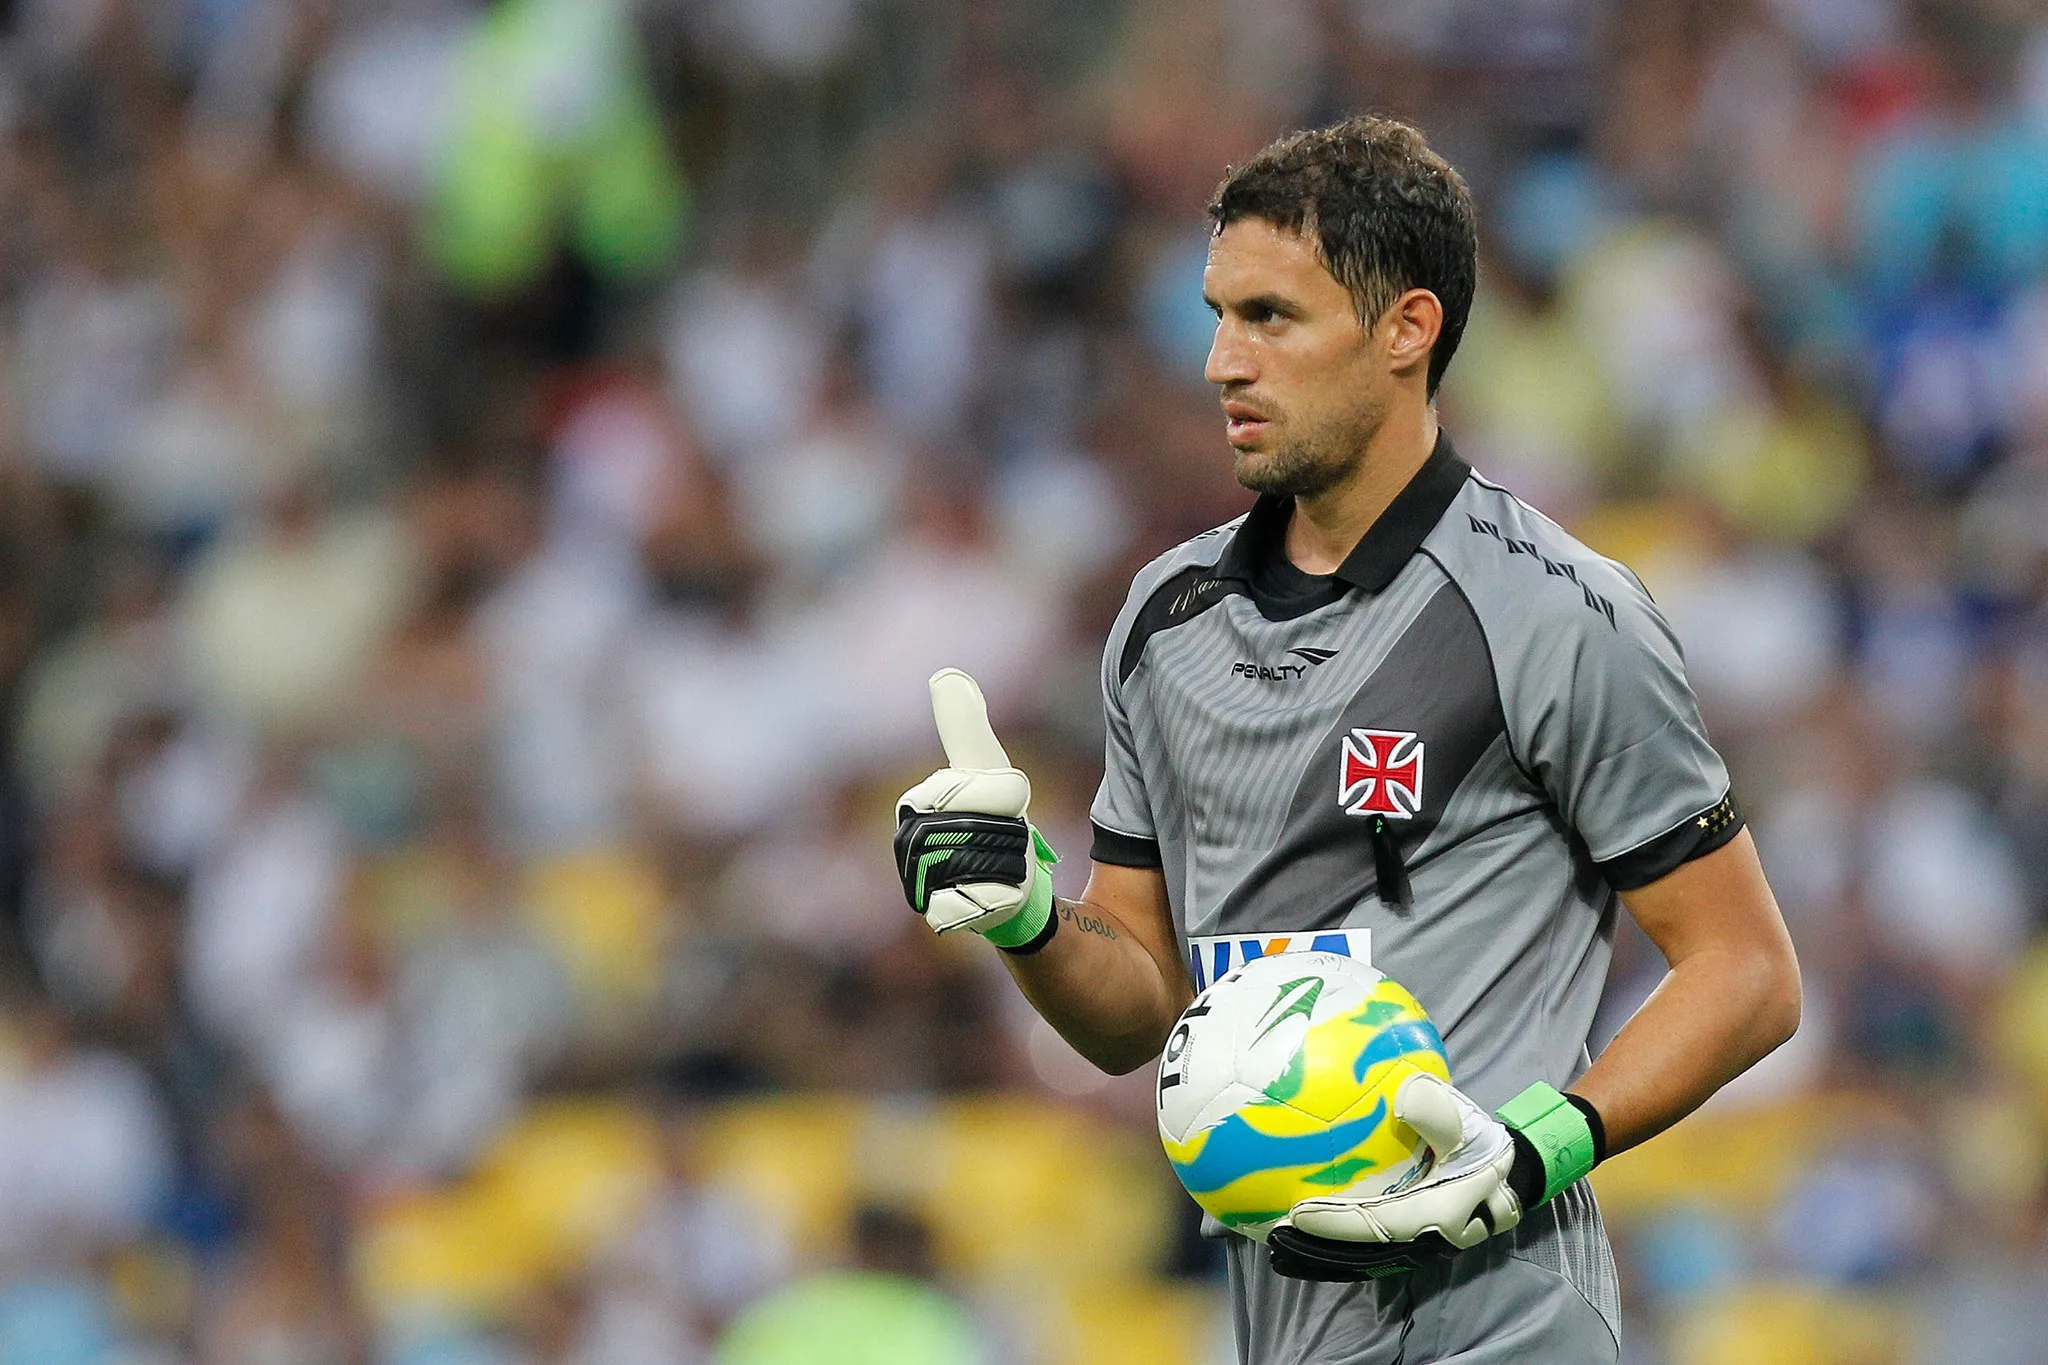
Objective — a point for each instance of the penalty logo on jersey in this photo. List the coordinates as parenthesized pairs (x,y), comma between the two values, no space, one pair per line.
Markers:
(1215,956)
(1382,774)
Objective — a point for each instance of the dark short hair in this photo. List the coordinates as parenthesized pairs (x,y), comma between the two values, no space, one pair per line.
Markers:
(1387,215)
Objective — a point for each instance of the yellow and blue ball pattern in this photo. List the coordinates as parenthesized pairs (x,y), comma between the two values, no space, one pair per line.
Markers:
(1324,1124)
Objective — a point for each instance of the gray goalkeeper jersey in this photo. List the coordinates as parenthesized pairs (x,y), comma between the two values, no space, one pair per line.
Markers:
(1445,758)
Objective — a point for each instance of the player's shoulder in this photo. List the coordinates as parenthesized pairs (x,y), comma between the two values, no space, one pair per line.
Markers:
(1550,607)
(1522,572)
(1200,551)
(1192,559)
(1173,587)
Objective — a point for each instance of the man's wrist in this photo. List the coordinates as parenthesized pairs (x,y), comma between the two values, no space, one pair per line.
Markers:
(1036,921)
(1594,1122)
(1032,927)
(1558,1139)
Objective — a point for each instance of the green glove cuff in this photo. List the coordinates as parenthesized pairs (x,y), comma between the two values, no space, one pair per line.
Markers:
(1031,923)
(1559,1133)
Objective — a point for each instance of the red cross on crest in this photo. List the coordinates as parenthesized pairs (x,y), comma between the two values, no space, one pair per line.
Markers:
(1382,774)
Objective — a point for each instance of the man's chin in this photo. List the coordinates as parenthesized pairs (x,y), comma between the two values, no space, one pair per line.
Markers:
(1259,471)
(1272,473)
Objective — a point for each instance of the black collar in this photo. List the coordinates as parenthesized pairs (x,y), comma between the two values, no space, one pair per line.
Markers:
(1388,544)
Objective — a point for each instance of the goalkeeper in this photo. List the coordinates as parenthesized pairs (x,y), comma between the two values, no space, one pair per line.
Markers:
(1394,701)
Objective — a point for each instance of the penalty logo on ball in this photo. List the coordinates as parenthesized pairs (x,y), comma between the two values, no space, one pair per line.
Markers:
(1277,1084)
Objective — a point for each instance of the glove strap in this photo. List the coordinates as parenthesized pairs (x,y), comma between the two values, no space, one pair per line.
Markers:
(1303,1256)
(1559,1131)
(1034,924)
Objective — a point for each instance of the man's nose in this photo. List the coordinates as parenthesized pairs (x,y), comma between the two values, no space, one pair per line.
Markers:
(1230,360)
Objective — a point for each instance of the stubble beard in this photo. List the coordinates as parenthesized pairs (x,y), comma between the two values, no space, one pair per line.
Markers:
(1316,461)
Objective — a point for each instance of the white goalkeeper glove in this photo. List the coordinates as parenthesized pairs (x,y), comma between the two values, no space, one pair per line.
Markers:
(1478,1176)
(968,857)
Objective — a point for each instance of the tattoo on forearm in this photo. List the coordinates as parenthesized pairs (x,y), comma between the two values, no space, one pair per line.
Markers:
(1087,924)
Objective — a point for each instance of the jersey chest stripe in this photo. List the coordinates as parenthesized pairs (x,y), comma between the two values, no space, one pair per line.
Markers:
(1435,683)
(1200,729)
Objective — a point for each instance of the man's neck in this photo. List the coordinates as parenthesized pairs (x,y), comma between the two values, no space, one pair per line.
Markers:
(1325,528)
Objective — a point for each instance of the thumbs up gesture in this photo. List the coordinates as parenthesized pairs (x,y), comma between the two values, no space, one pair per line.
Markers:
(968,857)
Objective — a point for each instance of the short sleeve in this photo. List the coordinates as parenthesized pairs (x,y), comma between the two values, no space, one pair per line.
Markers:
(1121,815)
(1614,735)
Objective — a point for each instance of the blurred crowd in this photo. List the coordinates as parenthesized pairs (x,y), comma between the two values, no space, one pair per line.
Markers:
(482,486)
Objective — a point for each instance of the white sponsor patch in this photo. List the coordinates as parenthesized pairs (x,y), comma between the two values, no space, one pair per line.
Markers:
(1214,956)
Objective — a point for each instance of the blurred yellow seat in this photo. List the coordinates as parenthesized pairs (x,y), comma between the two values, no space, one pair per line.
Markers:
(2019,1027)
(792,1157)
(1139,1322)
(445,1252)
(1793,1325)
(155,1283)
(992,1225)
(1022,1187)
(601,911)
(1738,1159)
(1653,536)
(1012,1187)
(573,1173)
(405,894)
(555,1186)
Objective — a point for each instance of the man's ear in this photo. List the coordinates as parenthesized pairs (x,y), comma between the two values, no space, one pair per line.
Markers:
(1415,320)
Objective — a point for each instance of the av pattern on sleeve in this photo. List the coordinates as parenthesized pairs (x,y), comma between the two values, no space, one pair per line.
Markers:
(1125,828)
(1592,680)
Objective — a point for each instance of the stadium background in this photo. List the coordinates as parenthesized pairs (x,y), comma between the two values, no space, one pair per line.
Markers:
(481,488)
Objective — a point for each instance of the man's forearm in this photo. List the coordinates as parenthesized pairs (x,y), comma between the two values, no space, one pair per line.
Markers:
(1098,984)
(1731,996)
(1714,1015)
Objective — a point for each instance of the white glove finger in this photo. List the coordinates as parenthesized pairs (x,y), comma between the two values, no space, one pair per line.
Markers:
(977,905)
(961,714)
(1449,1208)
(1340,1220)
(1431,1108)
(999,791)
(1474,1208)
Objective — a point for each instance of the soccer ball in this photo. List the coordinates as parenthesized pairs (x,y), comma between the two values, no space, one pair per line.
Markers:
(1278,1085)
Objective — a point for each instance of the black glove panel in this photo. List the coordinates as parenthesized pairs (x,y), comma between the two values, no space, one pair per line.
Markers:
(938,849)
(1305,1256)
